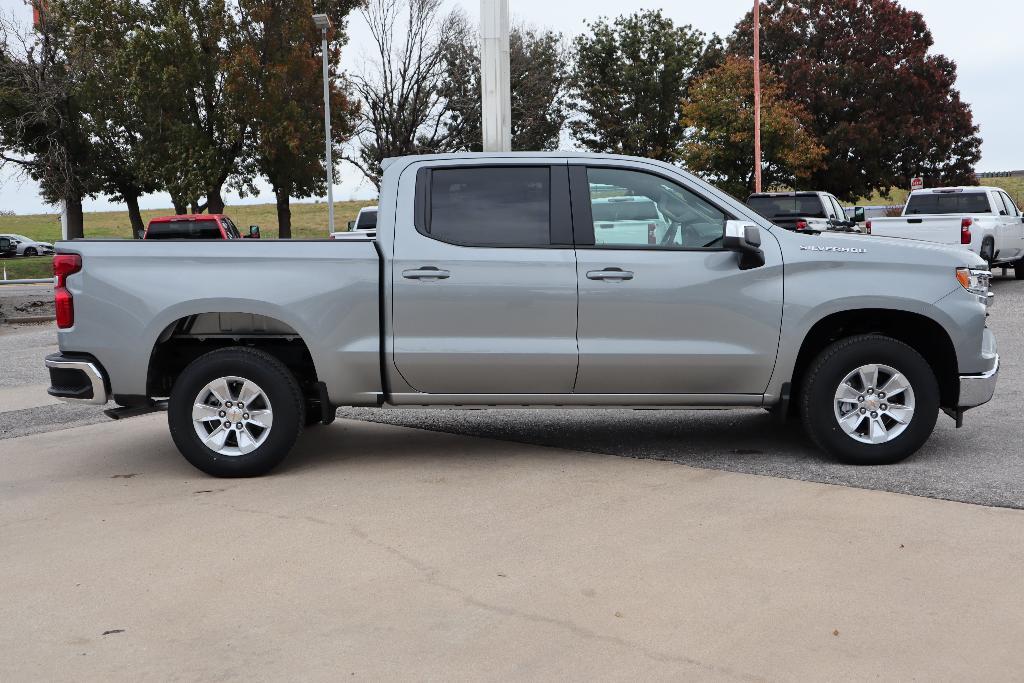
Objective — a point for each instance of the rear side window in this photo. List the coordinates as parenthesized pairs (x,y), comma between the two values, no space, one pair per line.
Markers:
(936,203)
(505,207)
(184,230)
(1011,208)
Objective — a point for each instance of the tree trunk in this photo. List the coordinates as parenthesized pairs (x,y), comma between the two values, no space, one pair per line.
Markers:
(135,215)
(75,217)
(214,201)
(180,205)
(284,214)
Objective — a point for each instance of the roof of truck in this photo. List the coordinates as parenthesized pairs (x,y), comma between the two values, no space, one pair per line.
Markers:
(188,217)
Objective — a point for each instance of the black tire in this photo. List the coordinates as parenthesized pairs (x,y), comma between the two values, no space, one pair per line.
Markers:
(281,392)
(988,251)
(1018,269)
(827,372)
(31,251)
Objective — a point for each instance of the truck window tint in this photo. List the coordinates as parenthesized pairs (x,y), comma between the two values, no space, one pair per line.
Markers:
(636,209)
(367,220)
(1011,208)
(948,202)
(809,206)
(184,230)
(505,207)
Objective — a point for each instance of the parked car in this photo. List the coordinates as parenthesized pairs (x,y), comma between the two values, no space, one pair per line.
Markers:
(628,220)
(8,247)
(802,210)
(365,225)
(25,246)
(982,219)
(197,227)
(486,286)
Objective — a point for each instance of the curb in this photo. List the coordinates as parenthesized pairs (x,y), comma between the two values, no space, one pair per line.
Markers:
(29,319)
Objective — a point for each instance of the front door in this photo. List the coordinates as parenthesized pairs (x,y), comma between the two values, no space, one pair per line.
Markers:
(666,310)
(484,283)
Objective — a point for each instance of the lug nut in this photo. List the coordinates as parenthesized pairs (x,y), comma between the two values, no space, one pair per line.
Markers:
(860,398)
(228,404)
(884,406)
(240,406)
(874,414)
(863,410)
(239,425)
(227,424)
(222,413)
(245,416)
(881,394)
(871,390)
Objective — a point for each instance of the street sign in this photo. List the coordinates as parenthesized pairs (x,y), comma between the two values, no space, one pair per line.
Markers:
(916,184)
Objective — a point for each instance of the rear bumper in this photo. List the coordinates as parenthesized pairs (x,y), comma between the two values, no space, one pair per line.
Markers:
(77,379)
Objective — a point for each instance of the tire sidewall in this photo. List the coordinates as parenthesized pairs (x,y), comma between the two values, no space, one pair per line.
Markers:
(277,384)
(834,365)
(31,251)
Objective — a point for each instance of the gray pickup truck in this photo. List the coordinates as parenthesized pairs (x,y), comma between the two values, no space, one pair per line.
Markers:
(490,283)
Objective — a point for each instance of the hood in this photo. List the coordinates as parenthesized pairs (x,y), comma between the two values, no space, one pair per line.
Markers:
(821,246)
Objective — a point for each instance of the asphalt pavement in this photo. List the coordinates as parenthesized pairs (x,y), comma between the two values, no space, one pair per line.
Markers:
(982,463)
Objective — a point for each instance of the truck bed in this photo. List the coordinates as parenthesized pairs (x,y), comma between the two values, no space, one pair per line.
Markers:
(324,294)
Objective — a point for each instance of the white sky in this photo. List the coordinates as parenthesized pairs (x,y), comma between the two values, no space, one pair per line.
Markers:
(983,37)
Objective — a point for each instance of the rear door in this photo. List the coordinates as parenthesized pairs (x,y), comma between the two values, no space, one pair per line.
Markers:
(484,281)
(1013,227)
(678,316)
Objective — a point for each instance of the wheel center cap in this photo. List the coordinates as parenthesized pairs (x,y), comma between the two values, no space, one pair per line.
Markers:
(872,403)
(234,414)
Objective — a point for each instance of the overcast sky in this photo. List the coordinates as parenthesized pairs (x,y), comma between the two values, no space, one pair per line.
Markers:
(983,37)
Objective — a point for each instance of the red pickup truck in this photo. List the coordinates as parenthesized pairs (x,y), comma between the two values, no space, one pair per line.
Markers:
(197,227)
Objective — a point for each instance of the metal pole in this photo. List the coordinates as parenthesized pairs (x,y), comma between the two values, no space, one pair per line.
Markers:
(757,95)
(327,129)
(495,79)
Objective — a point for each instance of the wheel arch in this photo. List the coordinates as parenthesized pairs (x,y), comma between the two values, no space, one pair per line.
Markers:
(925,335)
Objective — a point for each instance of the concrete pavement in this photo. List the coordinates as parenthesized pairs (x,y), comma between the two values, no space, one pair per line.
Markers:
(385,552)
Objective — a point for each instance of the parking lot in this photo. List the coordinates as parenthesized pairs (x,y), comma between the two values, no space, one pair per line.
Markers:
(515,545)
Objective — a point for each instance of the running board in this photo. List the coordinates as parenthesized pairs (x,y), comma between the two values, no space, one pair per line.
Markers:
(125,412)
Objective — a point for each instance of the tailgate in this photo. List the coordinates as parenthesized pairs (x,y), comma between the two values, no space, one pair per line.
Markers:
(941,229)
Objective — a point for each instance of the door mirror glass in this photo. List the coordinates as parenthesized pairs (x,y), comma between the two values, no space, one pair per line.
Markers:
(858,214)
(351,226)
(254,232)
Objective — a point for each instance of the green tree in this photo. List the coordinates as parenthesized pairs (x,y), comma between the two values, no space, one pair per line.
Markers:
(538,71)
(628,79)
(719,118)
(278,62)
(884,106)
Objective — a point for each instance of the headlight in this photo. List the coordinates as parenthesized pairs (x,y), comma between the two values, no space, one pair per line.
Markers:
(976,281)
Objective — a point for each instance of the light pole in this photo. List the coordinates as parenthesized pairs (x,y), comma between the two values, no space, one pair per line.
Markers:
(495,81)
(323,22)
(757,95)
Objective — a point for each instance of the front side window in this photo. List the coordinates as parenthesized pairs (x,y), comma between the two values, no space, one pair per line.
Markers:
(506,206)
(636,209)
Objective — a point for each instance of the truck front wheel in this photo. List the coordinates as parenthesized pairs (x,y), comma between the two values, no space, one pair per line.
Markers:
(235,412)
(870,400)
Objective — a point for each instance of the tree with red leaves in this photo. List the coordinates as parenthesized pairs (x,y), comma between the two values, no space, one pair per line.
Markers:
(884,106)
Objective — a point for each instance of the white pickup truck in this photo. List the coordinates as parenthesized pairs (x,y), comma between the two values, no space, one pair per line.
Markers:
(983,219)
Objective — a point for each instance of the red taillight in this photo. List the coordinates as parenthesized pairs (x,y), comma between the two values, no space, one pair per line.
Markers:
(801,225)
(965,230)
(867,227)
(64,303)
(651,237)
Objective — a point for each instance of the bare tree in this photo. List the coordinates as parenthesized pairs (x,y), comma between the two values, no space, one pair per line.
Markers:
(41,125)
(403,111)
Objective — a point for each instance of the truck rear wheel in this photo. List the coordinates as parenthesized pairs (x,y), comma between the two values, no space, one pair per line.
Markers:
(870,400)
(235,412)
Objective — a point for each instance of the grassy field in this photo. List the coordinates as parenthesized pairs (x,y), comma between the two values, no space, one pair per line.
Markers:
(1013,186)
(309,221)
(27,268)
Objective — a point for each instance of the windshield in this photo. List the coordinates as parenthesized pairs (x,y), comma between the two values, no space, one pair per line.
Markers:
(936,203)
(802,206)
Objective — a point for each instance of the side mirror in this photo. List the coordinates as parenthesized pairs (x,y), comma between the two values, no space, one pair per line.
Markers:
(745,240)
(254,232)
(858,214)
(351,226)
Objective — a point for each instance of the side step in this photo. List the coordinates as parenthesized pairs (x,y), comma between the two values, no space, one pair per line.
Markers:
(125,412)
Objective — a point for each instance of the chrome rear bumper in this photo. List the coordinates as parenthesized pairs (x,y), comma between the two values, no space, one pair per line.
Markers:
(76,380)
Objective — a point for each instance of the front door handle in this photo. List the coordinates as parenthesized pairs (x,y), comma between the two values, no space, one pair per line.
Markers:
(613,274)
(426,273)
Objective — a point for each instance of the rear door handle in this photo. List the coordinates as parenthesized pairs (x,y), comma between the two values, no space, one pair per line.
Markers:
(613,274)
(426,273)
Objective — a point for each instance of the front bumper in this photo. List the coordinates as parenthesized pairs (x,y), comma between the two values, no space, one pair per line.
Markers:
(77,379)
(976,390)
